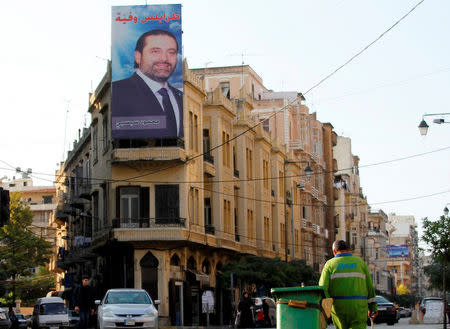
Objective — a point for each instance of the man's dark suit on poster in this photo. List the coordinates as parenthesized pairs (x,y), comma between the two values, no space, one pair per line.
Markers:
(132,97)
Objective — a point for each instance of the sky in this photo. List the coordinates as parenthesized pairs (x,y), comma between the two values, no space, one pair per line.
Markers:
(54,52)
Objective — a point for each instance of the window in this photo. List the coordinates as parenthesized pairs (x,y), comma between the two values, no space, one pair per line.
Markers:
(304,212)
(354,239)
(249,158)
(266,229)
(378,277)
(129,202)
(47,199)
(95,214)
(206,141)
(207,210)
(167,202)
(95,143)
(226,153)
(105,132)
(195,132)
(191,130)
(296,240)
(228,227)
(194,206)
(250,224)
(225,88)
(266,174)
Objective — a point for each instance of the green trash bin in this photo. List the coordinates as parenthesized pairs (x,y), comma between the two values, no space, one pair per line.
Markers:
(300,307)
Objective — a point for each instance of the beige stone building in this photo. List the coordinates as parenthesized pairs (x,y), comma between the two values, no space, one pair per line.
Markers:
(351,209)
(403,232)
(166,214)
(376,255)
(43,203)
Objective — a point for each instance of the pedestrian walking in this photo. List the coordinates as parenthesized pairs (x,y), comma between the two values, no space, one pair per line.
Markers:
(265,307)
(83,300)
(347,280)
(245,307)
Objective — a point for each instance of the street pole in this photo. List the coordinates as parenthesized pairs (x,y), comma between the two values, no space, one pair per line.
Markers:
(444,265)
(285,213)
(292,224)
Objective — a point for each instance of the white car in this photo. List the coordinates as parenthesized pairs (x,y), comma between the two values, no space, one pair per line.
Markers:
(127,308)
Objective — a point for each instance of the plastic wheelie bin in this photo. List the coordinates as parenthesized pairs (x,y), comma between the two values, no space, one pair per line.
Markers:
(300,307)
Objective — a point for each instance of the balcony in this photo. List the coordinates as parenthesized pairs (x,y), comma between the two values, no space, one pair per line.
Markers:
(167,153)
(209,229)
(148,222)
(208,158)
(208,164)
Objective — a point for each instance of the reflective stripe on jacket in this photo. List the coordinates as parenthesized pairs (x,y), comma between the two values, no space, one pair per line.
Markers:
(346,277)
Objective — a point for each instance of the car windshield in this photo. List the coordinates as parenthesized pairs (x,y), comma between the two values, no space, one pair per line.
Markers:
(382,300)
(20,316)
(127,297)
(52,308)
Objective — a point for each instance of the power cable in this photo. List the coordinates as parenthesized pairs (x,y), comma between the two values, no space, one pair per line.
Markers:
(237,179)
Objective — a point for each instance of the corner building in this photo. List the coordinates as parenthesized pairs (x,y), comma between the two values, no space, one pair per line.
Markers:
(166,214)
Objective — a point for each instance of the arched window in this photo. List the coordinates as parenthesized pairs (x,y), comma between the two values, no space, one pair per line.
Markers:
(175,260)
(149,274)
(191,263)
(206,268)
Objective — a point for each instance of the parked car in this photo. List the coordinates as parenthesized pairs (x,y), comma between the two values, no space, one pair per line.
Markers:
(129,308)
(387,312)
(74,318)
(50,313)
(5,323)
(20,323)
(258,311)
(432,309)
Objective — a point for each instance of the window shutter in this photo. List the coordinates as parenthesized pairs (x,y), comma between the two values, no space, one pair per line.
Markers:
(118,202)
(145,202)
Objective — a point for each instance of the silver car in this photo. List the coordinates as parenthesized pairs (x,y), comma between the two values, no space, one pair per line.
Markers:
(127,308)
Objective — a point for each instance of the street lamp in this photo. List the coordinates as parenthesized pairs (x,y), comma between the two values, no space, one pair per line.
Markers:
(308,173)
(423,126)
(446,209)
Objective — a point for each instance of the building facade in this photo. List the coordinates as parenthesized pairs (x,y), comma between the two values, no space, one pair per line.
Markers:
(405,266)
(351,209)
(166,214)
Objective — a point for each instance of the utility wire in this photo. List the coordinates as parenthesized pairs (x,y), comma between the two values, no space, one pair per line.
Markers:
(237,179)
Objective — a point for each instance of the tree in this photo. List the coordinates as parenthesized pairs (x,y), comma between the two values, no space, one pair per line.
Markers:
(269,272)
(20,248)
(437,236)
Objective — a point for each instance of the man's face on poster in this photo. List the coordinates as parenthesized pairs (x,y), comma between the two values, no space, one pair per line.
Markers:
(158,58)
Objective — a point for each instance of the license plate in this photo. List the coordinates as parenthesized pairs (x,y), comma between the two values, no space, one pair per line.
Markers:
(130,322)
(381,308)
(54,327)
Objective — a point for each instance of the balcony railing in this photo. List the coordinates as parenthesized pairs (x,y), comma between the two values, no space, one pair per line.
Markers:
(148,222)
(209,229)
(208,158)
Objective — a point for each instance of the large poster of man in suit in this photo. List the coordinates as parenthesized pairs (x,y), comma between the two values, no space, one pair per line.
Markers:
(147,77)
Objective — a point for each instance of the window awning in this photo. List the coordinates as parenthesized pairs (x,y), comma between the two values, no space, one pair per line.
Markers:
(199,276)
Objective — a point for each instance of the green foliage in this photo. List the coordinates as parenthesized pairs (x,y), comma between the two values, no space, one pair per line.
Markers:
(269,272)
(20,249)
(434,273)
(31,288)
(437,237)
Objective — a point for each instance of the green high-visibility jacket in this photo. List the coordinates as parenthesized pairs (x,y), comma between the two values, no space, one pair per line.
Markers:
(347,280)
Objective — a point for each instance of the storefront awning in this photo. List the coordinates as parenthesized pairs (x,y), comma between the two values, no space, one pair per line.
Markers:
(200,276)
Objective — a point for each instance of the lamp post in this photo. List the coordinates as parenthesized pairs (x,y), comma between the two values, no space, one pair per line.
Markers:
(446,209)
(423,126)
(308,172)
